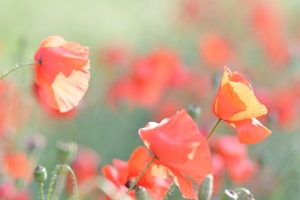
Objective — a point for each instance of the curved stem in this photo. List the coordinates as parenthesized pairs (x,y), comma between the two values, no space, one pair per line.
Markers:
(213,128)
(54,176)
(16,67)
(140,175)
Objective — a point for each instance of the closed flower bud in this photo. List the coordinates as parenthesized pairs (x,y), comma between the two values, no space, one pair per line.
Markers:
(206,188)
(66,151)
(244,194)
(40,174)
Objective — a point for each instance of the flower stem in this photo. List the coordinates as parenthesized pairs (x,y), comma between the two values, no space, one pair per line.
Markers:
(213,128)
(55,172)
(41,190)
(140,175)
(16,67)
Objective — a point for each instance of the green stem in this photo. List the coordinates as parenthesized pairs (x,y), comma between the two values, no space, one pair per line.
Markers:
(213,128)
(55,172)
(17,67)
(140,175)
(41,191)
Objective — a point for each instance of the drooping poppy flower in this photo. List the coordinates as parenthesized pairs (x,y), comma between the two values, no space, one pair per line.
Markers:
(62,73)
(237,104)
(122,174)
(181,151)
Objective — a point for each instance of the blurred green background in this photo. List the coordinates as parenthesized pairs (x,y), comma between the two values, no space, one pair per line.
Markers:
(142,24)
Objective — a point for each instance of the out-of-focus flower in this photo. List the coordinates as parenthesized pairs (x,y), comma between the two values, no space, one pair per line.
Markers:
(235,158)
(215,50)
(114,55)
(14,111)
(62,73)
(122,174)
(180,150)
(18,166)
(9,191)
(236,104)
(148,79)
(269,31)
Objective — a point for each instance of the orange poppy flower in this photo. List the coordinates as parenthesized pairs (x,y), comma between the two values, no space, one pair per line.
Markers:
(122,175)
(181,151)
(236,104)
(62,73)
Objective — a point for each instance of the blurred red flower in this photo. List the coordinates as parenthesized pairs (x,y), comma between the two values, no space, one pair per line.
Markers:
(62,73)
(231,156)
(269,31)
(236,104)
(148,79)
(122,175)
(9,191)
(181,151)
(18,166)
(215,50)
(14,110)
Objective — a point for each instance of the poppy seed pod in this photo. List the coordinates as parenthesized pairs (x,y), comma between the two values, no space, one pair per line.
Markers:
(40,174)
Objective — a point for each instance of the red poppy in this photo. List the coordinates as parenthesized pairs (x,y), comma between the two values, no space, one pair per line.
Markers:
(9,191)
(122,175)
(62,73)
(236,104)
(181,151)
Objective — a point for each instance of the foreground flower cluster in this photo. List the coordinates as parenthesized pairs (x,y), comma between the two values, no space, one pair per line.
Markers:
(175,151)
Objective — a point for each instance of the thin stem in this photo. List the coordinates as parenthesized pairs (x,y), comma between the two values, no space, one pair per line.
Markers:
(213,128)
(54,176)
(41,190)
(140,175)
(17,67)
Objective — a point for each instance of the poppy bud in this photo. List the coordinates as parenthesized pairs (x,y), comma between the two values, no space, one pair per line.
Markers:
(244,193)
(194,111)
(141,193)
(40,174)
(206,188)
(66,151)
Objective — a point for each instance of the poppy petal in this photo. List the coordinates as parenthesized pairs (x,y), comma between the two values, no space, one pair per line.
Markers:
(251,131)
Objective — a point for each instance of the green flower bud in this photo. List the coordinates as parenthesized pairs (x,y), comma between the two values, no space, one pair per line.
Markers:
(206,188)
(40,174)
(194,111)
(141,193)
(230,195)
(244,194)
(66,151)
